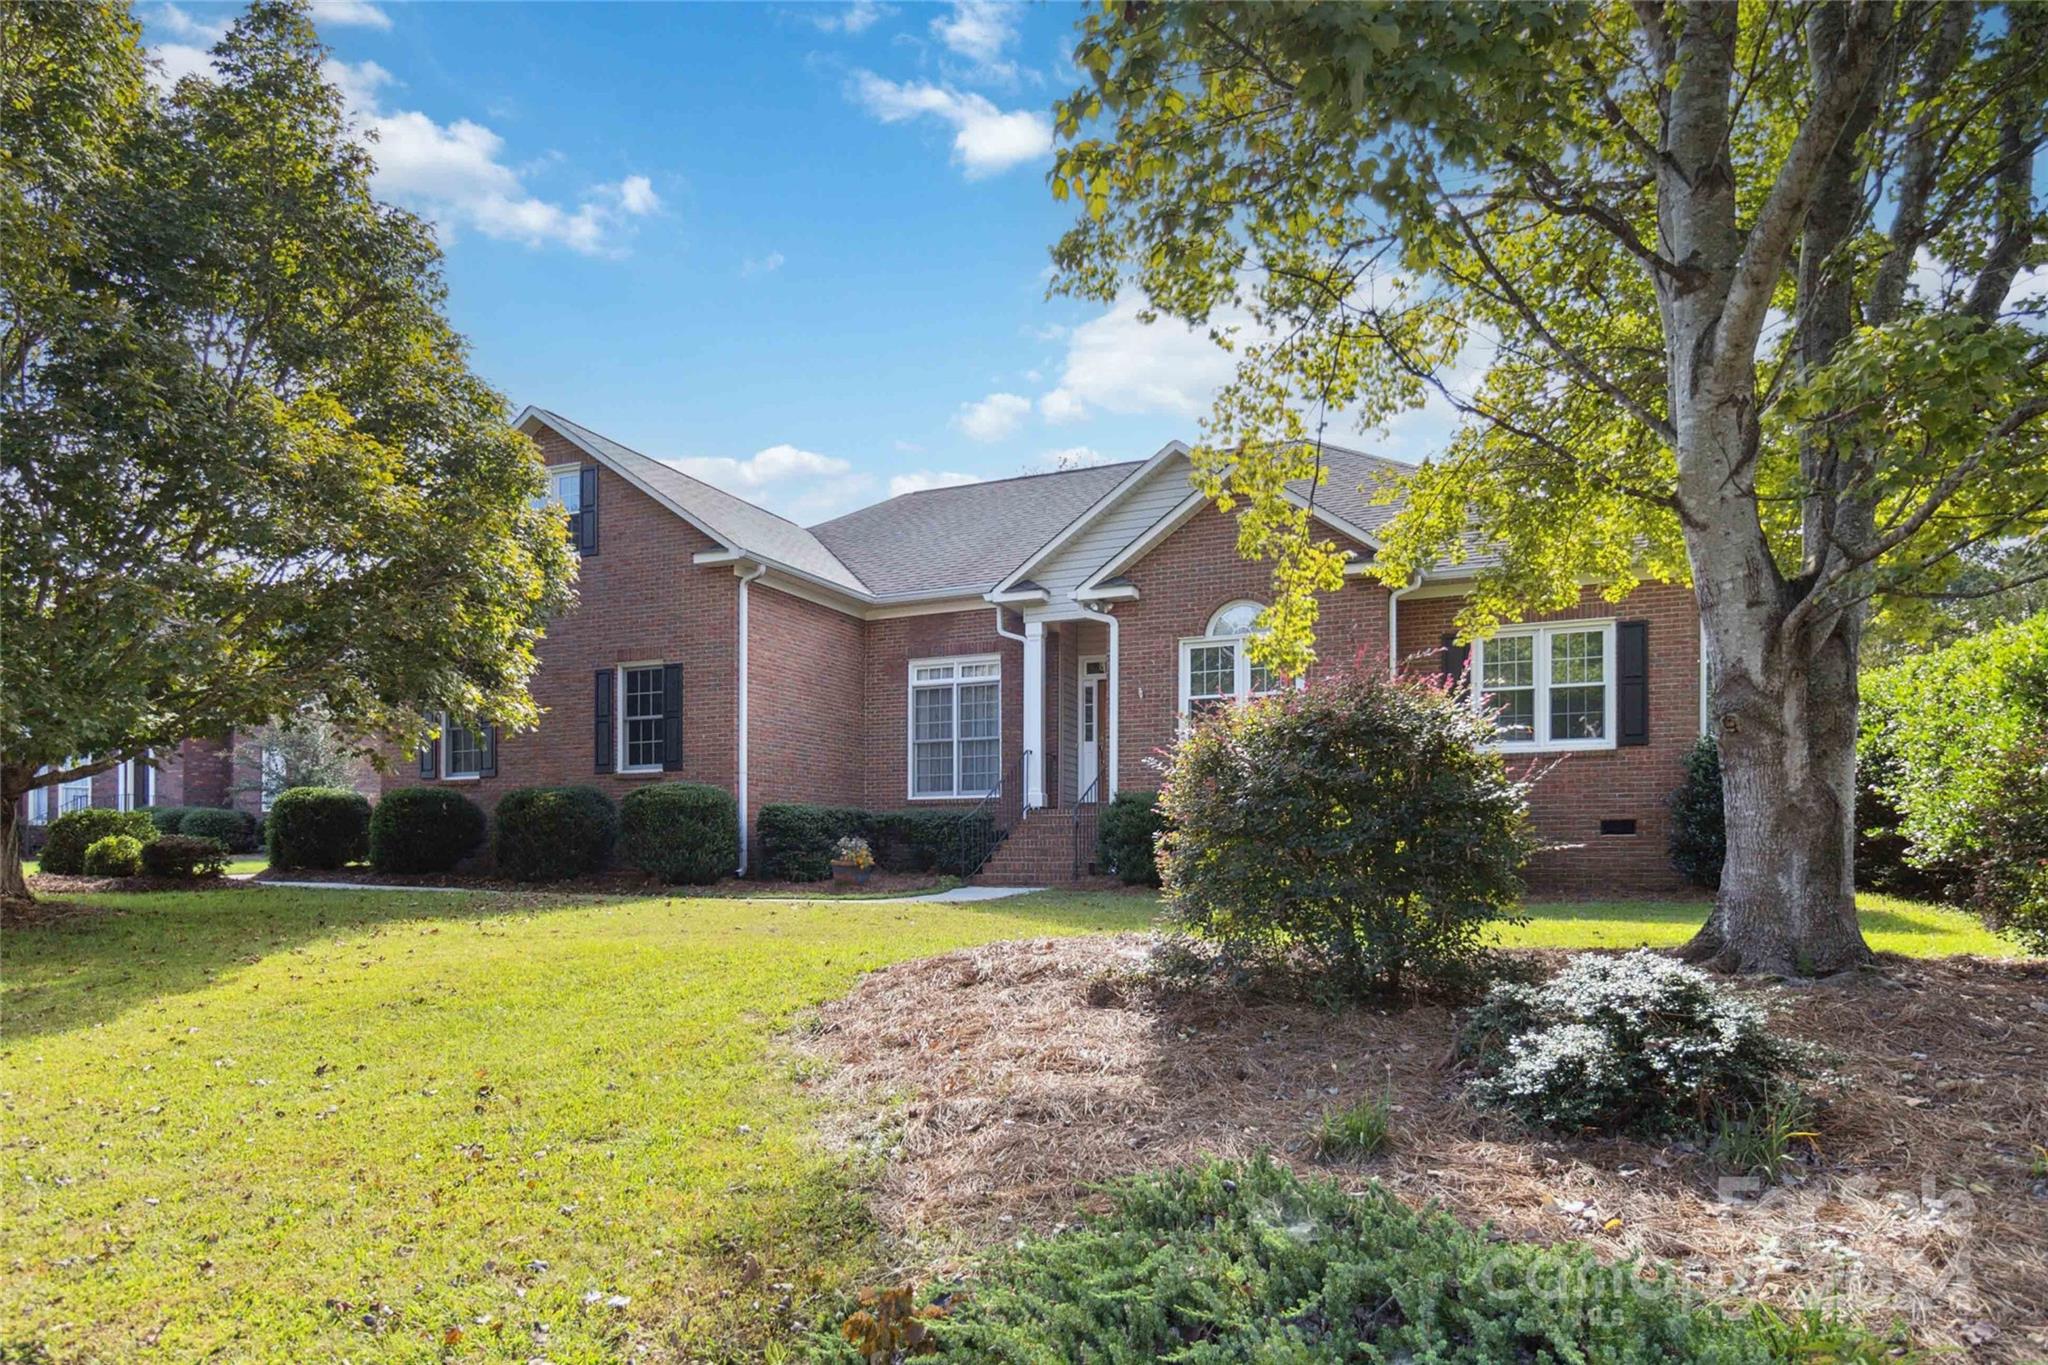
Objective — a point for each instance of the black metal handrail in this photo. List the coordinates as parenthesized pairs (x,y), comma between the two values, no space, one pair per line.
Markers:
(1081,803)
(981,831)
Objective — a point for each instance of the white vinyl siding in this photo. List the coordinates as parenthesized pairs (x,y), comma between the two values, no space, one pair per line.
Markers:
(1548,687)
(956,727)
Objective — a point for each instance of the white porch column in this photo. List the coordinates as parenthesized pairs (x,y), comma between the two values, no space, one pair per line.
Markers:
(1034,713)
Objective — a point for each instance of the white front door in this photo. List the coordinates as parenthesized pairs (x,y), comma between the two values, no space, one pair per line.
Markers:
(1087,779)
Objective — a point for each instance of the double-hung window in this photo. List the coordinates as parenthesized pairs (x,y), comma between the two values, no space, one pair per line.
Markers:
(572,489)
(956,727)
(1217,667)
(465,750)
(641,707)
(1548,687)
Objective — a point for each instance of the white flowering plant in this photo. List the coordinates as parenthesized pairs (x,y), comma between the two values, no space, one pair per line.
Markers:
(1636,1044)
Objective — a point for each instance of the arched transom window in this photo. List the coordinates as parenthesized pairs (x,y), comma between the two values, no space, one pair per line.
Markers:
(1215,667)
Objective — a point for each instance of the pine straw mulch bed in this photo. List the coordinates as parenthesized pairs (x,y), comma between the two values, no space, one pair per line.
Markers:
(62,884)
(1002,1081)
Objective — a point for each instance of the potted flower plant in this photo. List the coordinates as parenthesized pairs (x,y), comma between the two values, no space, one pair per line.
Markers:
(852,855)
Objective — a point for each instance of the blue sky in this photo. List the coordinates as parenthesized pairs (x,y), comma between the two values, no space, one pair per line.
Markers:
(798,249)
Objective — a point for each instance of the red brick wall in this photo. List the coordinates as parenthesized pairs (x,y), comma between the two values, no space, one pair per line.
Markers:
(639,599)
(806,668)
(1576,791)
(885,701)
(1181,583)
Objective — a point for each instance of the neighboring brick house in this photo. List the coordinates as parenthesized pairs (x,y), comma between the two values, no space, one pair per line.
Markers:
(225,772)
(1033,642)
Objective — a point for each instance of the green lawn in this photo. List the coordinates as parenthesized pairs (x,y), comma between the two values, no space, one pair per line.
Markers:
(1891,924)
(295,1125)
(314,1125)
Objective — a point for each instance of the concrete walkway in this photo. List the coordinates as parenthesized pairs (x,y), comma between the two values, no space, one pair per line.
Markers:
(956,895)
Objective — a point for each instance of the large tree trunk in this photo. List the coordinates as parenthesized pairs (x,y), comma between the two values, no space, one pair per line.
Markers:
(1787,904)
(13,885)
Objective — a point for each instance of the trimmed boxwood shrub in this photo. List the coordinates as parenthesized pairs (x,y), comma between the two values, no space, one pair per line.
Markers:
(1637,1044)
(114,855)
(182,855)
(75,831)
(1227,1263)
(681,832)
(424,829)
(1126,838)
(318,827)
(796,841)
(546,834)
(232,829)
(168,818)
(1359,831)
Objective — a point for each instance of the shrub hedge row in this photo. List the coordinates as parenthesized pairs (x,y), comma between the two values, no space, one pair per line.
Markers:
(424,829)
(797,840)
(320,828)
(547,834)
(1127,838)
(682,832)
(73,832)
(184,855)
(114,855)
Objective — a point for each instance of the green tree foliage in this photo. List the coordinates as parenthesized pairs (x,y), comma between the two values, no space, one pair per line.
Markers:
(1358,829)
(1964,737)
(246,463)
(1719,292)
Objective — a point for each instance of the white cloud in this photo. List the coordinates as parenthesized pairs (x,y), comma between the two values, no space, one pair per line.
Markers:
(1072,457)
(350,14)
(182,23)
(802,485)
(856,18)
(992,418)
(637,196)
(762,265)
(977,29)
(922,479)
(1122,364)
(179,60)
(910,447)
(985,139)
(456,173)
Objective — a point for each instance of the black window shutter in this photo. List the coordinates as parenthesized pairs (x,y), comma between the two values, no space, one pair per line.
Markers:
(1452,659)
(602,709)
(586,519)
(429,756)
(1632,673)
(671,718)
(489,765)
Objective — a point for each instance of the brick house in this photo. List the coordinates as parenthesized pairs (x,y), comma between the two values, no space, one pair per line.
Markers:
(1032,643)
(228,772)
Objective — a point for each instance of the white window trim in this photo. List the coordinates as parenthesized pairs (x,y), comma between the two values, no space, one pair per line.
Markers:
(1540,662)
(39,802)
(556,469)
(442,756)
(78,784)
(619,763)
(955,661)
(1241,660)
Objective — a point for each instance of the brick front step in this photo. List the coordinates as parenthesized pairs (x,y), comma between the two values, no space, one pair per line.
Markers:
(1040,851)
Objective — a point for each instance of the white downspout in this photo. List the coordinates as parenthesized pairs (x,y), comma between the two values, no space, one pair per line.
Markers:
(1104,613)
(1394,625)
(1024,785)
(745,578)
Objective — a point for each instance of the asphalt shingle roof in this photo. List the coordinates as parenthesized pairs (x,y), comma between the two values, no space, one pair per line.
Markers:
(963,539)
(734,520)
(968,537)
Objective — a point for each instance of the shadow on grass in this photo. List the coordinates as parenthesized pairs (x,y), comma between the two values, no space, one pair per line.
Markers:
(105,953)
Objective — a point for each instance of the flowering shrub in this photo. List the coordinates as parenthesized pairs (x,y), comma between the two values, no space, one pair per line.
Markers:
(1638,1044)
(1358,829)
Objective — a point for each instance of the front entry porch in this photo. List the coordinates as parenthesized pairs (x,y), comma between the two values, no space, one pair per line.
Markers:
(1070,710)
